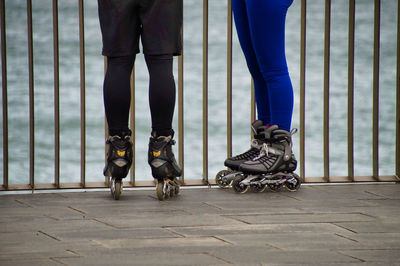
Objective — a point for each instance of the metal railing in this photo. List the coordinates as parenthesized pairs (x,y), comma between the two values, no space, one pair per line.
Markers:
(205,178)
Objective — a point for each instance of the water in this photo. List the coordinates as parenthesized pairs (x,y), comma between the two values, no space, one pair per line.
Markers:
(17,66)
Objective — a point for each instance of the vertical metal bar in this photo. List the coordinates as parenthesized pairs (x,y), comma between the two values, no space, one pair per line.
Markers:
(205,91)
(229,81)
(181,151)
(350,91)
(106,178)
(375,110)
(56,96)
(31,97)
(82,77)
(326,86)
(253,107)
(398,95)
(302,85)
(4,92)
(133,128)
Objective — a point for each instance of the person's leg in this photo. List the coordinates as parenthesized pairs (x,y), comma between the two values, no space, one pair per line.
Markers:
(161,93)
(117,93)
(267,27)
(260,88)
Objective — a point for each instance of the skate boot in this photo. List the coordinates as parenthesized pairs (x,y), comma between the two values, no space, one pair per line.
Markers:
(119,161)
(273,167)
(164,167)
(224,177)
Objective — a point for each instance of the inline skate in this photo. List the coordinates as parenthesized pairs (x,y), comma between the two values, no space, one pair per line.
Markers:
(224,178)
(273,167)
(119,161)
(164,167)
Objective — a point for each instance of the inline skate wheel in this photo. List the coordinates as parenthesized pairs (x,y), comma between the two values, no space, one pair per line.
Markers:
(172,188)
(237,184)
(116,188)
(177,188)
(275,187)
(258,188)
(160,191)
(294,183)
(220,179)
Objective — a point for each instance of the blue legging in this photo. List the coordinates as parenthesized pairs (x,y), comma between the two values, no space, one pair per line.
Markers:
(260,25)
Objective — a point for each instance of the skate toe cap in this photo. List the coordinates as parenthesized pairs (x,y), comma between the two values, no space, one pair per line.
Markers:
(233,164)
(251,167)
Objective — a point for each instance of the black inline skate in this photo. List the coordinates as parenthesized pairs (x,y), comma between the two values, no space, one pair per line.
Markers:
(119,161)
(164,167)
(224,178)
(273,167)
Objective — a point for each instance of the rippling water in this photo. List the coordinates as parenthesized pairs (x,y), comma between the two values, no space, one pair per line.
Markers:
(17,66)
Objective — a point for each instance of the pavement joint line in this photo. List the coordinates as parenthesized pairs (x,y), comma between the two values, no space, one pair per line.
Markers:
(278,248)
(104,223)
(347,255)
(223,240)
(77,210)
(56,260)
(212,205)
(376,194)
(74,252)
(173,232)
(100,244)
(214,256)
(345,237)
(51,217)
(292,197)
(48,235)
(24,203)
(343,227)
(235,219)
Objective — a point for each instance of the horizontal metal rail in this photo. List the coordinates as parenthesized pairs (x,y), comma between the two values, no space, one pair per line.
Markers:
(205,178)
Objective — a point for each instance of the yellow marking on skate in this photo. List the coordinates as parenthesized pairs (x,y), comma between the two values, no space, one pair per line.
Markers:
(121,153)
(156,153)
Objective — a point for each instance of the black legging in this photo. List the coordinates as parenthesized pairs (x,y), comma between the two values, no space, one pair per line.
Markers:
(117,93)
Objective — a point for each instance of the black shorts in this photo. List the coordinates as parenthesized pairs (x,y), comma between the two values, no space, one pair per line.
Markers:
(158,22)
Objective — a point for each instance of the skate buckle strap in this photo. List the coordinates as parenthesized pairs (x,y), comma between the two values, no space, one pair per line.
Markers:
(255,144)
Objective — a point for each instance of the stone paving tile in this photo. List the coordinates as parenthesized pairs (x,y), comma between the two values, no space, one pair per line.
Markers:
(220,230)
(377,240)
(171,221)
(303,218)
(265,256)
(293,241)
(372,227)
(153,243)
(383,257)
(145,259)
(110,234)
(30,262)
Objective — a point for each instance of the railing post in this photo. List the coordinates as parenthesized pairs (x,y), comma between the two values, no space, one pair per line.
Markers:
(205,91)
(253,108)
(56,97)
(83,93)
(229,80)
(4,92)
(302,85)
(397,162)
(375,107)
(326,86)
(133,127)
(350,91)
(181,151)
(31,98)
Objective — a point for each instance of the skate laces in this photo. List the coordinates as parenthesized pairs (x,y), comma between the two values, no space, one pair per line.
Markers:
(263,152)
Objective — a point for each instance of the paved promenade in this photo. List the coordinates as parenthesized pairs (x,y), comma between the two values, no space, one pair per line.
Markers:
(322,225)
